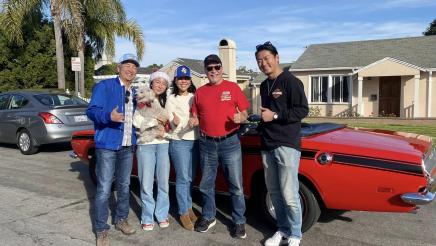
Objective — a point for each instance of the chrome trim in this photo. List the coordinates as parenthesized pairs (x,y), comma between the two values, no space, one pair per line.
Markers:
(417,198)
(324,158)
(72,154)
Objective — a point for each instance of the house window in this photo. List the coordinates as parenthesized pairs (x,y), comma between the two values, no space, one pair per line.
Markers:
(319,88)
(340,89)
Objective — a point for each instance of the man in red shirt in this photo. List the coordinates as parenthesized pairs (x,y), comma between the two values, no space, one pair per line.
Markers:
(219,107)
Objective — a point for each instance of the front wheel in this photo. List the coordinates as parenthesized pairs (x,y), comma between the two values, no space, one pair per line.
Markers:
(309,206)
(25,143)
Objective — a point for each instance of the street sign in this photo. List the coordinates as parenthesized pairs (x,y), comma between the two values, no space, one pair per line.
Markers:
(75,64)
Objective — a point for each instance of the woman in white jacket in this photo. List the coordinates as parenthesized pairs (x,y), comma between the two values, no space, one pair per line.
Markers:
(153,161)
(183,143)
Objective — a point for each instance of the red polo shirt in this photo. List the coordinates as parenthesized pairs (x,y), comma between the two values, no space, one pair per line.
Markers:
(215,106)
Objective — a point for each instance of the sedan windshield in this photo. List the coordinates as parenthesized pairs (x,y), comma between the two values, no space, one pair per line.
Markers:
(59,100)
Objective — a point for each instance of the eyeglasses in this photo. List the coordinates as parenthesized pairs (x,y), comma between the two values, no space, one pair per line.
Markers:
(210,68)
(126,99)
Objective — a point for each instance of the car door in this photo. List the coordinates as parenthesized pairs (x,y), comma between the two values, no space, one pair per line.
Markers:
(15,116)
(4,104)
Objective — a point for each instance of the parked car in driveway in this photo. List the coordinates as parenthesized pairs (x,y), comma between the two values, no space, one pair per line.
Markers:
(33,118)
(341,168)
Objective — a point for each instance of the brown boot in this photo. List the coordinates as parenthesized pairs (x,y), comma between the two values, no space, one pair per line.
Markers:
(192,215)
(125,227)
(186,222)
(102,238)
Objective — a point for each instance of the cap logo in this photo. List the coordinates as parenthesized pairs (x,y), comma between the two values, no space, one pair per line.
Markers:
(184,70)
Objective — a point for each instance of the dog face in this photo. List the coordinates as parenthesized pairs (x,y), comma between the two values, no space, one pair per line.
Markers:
(144,94)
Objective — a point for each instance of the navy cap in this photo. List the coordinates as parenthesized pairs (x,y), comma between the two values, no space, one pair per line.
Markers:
(129,58)
(182,71)
(212,59)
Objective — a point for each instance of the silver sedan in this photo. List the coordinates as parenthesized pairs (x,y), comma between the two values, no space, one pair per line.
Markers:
(33,118)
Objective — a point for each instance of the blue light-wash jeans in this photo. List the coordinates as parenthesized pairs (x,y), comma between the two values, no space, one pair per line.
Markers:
(153,163)
(112,164)
(281,179)
(227,152)
(184,157)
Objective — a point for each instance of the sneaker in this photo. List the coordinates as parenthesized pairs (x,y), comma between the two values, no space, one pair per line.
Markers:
(192,215)
(102,238)
(240,231)
(164,224)
(125,227)
(203,225)
(186,222)
(147,227)
(292,241)
(277,239)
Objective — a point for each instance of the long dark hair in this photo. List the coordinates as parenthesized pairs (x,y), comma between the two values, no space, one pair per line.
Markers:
(162,98)
(176,91)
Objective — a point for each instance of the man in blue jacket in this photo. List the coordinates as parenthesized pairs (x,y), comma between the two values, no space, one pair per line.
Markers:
(111,108)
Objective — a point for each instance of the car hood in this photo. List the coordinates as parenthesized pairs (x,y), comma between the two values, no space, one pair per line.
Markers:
(375,142)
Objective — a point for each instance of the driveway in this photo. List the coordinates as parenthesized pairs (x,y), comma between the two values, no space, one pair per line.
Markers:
(46,199)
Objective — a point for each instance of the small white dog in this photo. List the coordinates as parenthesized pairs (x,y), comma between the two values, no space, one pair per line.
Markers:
(147,112)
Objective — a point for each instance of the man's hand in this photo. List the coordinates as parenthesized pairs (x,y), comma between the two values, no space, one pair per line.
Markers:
(116,116)
(239,117)
(176,119)
(193,121)
(267,115)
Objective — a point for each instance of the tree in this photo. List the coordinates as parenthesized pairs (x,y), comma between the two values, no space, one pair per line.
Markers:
(106,19)
(13,18)
(431,30)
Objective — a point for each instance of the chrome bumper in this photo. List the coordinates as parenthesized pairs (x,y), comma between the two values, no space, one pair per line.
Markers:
(416,198)
(72,154)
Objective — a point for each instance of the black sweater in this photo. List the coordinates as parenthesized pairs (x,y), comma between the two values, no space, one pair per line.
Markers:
(285,96)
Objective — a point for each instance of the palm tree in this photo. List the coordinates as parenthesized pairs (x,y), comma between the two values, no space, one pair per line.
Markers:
(15,11)
(104,20)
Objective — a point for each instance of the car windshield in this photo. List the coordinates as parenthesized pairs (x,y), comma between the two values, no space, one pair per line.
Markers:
(60,100)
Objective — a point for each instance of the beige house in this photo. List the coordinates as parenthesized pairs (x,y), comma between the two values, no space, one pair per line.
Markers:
(390,77)
(227,53)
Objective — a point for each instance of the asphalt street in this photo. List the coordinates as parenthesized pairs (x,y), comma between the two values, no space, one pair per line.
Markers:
(46,199)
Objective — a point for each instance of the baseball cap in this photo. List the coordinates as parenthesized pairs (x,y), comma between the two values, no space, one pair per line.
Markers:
(182,71)
(212,59)
(128,57)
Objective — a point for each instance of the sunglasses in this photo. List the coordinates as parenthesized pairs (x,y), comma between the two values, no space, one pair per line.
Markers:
(126,99)
(210,68)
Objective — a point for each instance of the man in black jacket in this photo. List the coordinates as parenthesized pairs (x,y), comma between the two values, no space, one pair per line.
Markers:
(284,104)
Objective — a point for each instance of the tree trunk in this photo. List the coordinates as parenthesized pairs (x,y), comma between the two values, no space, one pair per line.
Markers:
(59,46)
(82,72)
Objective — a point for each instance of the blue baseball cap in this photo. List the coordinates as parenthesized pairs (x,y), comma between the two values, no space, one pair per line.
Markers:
(182,71)
(128,57)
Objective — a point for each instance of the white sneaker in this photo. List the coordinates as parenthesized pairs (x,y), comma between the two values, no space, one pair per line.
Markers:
(292,241)
(277,239)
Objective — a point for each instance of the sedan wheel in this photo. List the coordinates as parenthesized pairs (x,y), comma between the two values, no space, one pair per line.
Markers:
(25,143)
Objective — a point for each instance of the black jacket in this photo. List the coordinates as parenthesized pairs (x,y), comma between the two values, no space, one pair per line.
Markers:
(285,96)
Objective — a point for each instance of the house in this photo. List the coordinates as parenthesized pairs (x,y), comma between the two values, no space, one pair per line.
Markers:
(227,54)
(389,77)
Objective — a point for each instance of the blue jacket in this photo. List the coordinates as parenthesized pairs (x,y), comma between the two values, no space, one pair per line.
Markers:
(106,95)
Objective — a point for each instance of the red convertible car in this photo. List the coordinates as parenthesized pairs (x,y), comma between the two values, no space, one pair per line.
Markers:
(341,168)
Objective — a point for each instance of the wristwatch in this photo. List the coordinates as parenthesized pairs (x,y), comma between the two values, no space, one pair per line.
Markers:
(275,116)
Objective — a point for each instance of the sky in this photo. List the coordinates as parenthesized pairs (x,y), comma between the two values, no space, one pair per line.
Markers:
(192,29)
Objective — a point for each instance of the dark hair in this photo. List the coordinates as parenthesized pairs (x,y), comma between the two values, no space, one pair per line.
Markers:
(191,88)
(162,98)
(266,46)
(211,59)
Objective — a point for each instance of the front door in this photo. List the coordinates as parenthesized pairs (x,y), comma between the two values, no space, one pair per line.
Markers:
(389,97)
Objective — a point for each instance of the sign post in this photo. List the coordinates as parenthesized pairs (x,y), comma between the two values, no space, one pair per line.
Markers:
(75,66)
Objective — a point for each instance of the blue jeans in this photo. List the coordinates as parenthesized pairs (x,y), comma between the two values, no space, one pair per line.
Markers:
(112,164)
(227,152)
(153,163)
(281,179)
(184,157)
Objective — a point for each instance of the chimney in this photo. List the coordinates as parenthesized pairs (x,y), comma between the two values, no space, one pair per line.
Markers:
(227,54)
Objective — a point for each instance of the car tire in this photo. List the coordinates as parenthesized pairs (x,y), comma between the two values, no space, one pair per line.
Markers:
(92,167)
(25,143)
(309,205)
